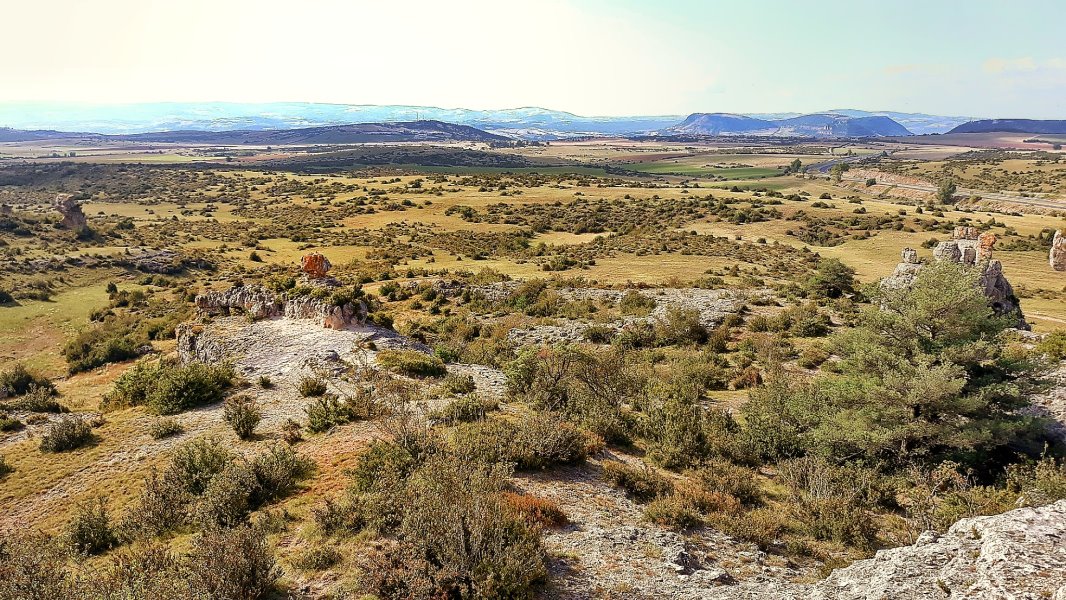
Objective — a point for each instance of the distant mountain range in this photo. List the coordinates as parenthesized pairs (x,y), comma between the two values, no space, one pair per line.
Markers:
(1012,126)
(816,125)
(522,123)
(361,133)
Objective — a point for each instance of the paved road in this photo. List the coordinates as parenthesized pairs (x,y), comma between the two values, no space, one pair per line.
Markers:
(1052,203)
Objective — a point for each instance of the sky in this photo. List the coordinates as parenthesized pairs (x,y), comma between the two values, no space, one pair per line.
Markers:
(979,58)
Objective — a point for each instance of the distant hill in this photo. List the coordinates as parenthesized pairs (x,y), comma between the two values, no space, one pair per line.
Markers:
(916,123)
(360,133)
(1012,126)
(834,125)
(720,124)
(815,125)
(526,123)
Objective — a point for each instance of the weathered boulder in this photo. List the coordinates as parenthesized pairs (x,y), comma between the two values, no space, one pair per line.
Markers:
(1020,554)
(948,251)
(315,265)
(73,216)
(1057,257)
(261,303)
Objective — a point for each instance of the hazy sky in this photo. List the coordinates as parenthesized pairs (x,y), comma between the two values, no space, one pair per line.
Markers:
(592,57)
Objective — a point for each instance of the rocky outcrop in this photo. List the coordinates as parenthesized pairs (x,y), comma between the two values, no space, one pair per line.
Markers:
(315,265)
(261,303)
(73,216)
(1016,555)
(1057,257)
(971,248)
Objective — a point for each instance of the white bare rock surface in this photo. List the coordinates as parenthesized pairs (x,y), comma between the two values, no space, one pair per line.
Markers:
(1019,555)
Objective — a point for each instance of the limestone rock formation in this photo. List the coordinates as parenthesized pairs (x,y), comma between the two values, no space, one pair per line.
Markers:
(1057,258)
(971,248)
(261,303)
(1018,554)
(73,217)
(315,265)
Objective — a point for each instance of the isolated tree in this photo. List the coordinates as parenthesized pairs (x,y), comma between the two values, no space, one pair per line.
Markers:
(837,171)
(832,279)
(796,166)
(945,191)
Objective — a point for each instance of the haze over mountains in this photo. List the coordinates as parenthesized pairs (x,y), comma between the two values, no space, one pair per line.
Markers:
(314,123)
(524,123)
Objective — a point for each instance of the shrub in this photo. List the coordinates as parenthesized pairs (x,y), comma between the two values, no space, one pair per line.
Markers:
(233,564)
(542,440)
(90,531)
(164,427)
(312,387)
(813,356)
(455,383)
(277,470)
(411,363)
(1053,345)
(32,565)
(265,382)
(761,526)
(643,484)
(680,326)
(19,380)
(637,304)
(5,468)
(181,388)
(536,511)
(68,433)
(672,511)
(9,423)
(92,348)
(159,507)
(243,415)
(291,431)
(325,412)
(722,476)
(316,558)
(465,410)
(168,389)
(39,400)
(227,498)
(195,463)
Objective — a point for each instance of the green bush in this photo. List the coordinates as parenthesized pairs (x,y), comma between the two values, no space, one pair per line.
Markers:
(636,304)
(542,440)
(108,343)
(316,558)
(455,384)
(167,389)
(242,414)
(39,400)
(680,326)
(723,477)
(813,356)
(180,388)
(464,410)
(1053,345)
(312,387)
(326,412)
(277,470)
(233,564)
(643,484)
(227,498)
(672,511)
(90,531)
(164,427)
(68,433)
(195,463)
(5,468)
(411,363)
(19,380)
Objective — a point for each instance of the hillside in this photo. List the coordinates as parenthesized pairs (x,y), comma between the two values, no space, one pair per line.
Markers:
(815,125)
(356,133)
(720,124)
(1012,126)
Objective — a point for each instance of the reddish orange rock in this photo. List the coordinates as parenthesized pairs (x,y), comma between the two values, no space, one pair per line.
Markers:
(316,265)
